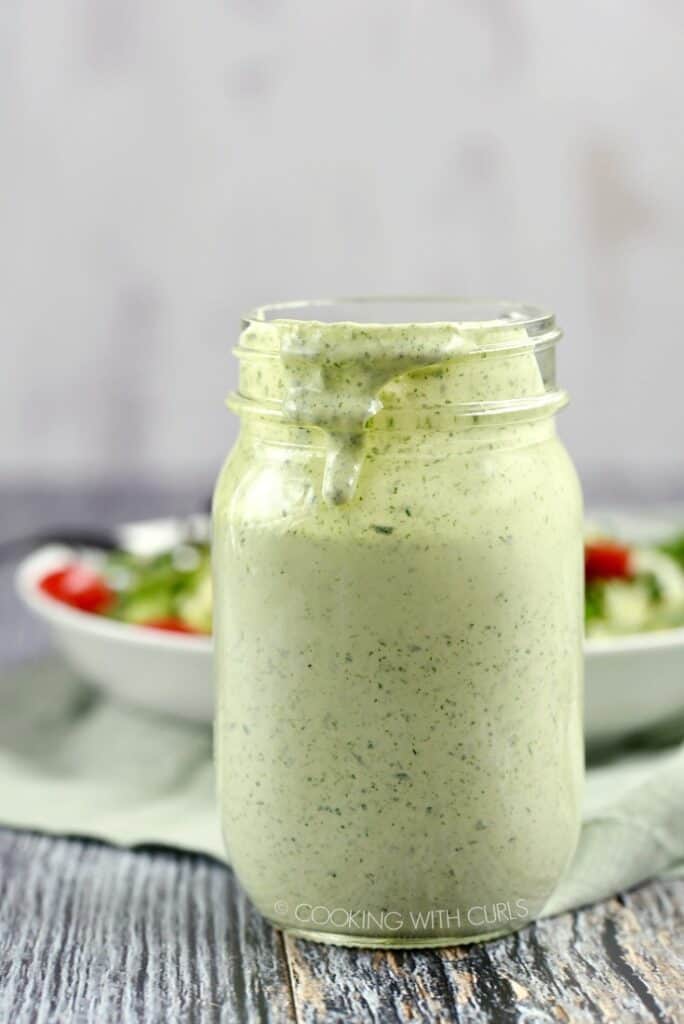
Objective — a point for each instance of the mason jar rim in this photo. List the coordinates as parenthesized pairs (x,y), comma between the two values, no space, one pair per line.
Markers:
(488,327)
(463,314)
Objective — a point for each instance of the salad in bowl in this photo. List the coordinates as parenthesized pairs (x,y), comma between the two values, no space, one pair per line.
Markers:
(632,588)
(170,590)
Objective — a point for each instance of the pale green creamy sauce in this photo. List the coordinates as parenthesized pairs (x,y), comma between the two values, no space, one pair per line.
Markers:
(398,622)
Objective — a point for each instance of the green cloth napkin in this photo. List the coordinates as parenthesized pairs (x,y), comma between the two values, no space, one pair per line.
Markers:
(75,763)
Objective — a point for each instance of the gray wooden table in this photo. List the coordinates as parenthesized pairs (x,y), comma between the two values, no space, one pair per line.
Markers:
(89,933)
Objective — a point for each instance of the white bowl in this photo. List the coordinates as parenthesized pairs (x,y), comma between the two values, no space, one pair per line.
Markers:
(632,682)
(163,671)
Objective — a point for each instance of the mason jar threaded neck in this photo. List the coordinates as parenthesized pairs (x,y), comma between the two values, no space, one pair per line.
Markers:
(388,360)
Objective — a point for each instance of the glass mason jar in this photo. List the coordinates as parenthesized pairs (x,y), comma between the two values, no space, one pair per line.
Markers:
(398,621)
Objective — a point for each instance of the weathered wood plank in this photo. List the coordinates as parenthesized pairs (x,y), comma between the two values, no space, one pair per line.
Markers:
(649,935)
(621,961)
(93,934)
(342,986)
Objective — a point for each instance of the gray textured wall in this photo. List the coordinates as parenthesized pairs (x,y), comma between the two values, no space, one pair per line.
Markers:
(166,165)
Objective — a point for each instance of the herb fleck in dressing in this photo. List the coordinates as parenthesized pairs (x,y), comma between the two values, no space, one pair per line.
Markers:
(398,622)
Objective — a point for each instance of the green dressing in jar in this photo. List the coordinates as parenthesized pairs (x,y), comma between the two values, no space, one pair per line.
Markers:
(398,621)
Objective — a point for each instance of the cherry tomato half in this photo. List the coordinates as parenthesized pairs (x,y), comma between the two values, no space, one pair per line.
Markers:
(606,561)
(78,586)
